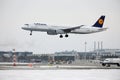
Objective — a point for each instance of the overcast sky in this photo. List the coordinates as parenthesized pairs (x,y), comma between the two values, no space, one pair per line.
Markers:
(15,13)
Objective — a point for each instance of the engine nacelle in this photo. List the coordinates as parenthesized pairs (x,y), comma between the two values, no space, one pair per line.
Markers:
(55,32)
(52,32)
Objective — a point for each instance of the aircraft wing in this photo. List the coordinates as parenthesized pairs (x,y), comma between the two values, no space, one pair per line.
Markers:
(67,30)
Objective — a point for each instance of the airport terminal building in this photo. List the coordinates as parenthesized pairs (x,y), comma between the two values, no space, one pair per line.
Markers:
(7,56)
(59,57)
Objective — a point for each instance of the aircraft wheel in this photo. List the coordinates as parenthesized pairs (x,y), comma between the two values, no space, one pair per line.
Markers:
(66,35)
(103,64)
(108,65)
(61,36)
(118,64)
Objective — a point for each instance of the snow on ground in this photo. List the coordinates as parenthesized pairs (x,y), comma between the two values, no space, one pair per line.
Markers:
(89,74)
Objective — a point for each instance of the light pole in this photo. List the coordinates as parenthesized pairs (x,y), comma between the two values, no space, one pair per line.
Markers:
(14,58)
(85,46)
(85,50)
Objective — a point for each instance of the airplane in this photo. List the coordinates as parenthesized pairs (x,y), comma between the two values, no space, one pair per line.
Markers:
(55,30)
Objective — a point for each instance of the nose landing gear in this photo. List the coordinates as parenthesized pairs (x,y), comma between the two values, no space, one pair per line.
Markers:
(30,32)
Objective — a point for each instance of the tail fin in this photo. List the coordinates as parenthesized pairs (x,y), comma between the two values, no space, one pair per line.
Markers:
(99,22)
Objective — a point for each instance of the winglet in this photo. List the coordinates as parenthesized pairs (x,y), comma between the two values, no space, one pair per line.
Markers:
(99,22)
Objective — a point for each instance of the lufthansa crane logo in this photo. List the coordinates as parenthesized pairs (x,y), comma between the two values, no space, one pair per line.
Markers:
(100,21)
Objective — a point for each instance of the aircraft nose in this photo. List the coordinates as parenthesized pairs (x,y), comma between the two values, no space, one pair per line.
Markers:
(24,28)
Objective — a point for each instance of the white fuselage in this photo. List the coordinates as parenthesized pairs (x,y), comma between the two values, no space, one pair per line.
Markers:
(47,28)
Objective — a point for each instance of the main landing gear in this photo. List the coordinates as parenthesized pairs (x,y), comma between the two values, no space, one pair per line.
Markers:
(66,35)
(61,36)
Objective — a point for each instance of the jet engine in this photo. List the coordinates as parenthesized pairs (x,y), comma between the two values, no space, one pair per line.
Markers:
(52,32)
(55,32)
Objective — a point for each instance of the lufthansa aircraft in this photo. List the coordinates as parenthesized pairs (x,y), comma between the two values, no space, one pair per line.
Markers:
(54,30)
